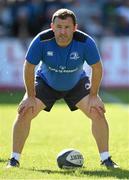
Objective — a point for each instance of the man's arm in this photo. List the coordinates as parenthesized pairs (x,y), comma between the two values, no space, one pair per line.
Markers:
(96,78)
(30,101)
(28,73)
(94,101)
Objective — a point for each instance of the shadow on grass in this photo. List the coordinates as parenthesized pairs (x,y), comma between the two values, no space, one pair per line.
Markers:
(116,173)
(3,160)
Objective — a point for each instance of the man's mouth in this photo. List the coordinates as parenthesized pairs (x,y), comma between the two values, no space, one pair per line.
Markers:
(62,37)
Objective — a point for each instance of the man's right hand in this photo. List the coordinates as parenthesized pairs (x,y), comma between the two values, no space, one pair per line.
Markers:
(28,103)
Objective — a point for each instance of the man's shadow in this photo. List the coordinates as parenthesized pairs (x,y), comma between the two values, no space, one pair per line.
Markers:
(3,160)
(116,173)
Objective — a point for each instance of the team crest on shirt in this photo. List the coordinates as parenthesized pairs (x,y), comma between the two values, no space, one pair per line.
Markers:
(49,53)
(74,55)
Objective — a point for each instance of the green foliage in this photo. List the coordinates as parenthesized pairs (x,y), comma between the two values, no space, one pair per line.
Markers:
(60,129)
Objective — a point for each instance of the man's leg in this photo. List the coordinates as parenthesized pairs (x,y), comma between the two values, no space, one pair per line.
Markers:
(100,131)
(21,128)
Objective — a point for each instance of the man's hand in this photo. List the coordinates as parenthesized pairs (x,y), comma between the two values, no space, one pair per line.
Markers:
(28,103)
(96,103)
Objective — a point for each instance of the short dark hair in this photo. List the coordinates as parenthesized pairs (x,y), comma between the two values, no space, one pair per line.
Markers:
(63,14)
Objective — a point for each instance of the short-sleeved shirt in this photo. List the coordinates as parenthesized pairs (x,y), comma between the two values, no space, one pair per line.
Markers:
(62,67)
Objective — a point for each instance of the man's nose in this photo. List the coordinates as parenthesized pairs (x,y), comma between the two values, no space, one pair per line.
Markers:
(62,31)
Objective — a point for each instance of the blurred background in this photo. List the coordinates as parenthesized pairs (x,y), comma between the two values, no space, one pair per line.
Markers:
(105,20)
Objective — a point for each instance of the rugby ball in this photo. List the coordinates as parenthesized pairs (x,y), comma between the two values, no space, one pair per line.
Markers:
(69,159)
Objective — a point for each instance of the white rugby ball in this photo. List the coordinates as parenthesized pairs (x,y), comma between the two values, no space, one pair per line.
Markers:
(69,159)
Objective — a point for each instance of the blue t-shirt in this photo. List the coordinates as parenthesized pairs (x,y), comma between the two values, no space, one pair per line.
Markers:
(62,67)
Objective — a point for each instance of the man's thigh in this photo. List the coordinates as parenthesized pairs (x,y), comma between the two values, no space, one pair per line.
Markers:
(83,105)
(46,94)
(78,93)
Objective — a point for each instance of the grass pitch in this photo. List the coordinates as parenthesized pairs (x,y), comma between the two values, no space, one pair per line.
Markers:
(61,129)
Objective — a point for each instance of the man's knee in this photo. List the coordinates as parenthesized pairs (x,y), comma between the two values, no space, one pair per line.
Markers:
(94,115)
(28,115)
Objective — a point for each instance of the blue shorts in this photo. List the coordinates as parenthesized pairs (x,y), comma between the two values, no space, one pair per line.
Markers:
(49,96)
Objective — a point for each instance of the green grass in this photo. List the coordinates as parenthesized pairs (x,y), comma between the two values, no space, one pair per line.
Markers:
(110,95)
(115,95)
(61,129)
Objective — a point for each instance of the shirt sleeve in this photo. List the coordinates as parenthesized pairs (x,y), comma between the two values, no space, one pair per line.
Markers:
(34,53)
(92,55)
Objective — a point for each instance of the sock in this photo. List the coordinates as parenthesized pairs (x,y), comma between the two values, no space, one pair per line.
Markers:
(104,155)
(16,156)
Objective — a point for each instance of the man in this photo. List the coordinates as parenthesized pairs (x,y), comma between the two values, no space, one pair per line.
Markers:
(61,52)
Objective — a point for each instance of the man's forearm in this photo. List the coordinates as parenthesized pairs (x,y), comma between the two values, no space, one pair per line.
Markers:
(96,78)
(29,79)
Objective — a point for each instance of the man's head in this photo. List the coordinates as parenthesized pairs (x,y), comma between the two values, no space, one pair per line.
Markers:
(63,25)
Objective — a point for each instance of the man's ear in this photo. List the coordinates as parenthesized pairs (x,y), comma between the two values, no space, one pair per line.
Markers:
(52,26)
(75,28)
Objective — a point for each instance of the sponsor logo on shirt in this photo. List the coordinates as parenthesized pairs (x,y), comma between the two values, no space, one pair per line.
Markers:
(49,53)
(74,55)
(62,67)
(62,70)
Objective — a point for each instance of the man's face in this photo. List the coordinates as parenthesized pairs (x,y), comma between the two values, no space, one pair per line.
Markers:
(63,30)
